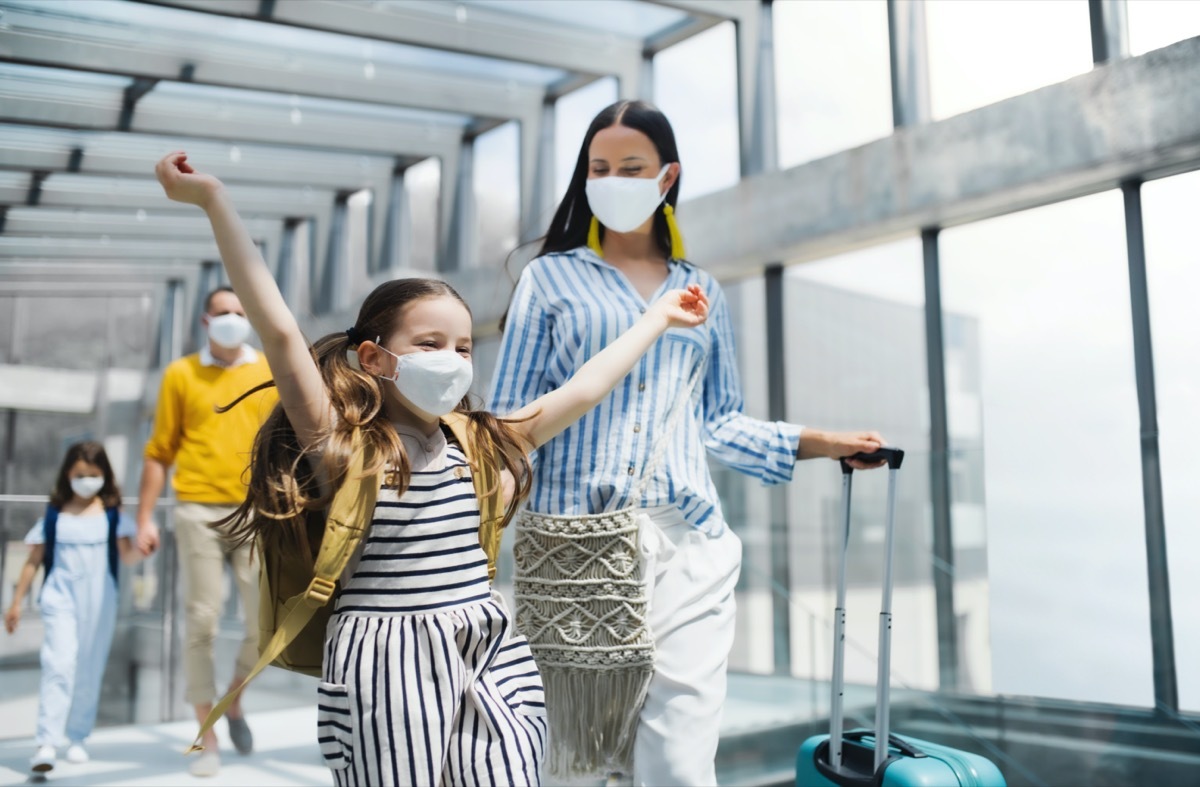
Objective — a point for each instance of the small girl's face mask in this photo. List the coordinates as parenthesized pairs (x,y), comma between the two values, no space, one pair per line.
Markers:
(432,382)
(87,486)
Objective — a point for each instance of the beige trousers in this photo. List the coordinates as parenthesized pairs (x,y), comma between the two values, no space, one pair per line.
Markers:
(203,553)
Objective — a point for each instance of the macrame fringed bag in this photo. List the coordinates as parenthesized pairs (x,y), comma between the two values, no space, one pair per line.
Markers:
(582,603)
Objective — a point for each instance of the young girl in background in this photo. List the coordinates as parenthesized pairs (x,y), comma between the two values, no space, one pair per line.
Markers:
(425,680)
(80,540)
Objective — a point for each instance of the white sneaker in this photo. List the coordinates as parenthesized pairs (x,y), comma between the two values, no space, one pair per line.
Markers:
(207,764)
(43,760)
(77,754)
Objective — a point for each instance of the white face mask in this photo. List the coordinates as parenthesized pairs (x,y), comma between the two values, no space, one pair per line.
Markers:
(434,382)
(228,330)
(624,204)
(87,486)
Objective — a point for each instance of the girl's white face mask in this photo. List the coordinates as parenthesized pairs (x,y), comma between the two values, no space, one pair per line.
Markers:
(624,204)
(229,330)
(87,486)
(434,382)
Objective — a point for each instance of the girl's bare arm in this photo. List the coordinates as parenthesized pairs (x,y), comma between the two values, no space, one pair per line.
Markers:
(301,389)
(550,414)
(28,571)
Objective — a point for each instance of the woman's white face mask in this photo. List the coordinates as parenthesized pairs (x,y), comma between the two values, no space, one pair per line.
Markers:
(434,382)
(624,204)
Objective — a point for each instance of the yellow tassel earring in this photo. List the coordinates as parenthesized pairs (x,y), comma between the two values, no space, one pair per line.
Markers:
(677,252)
(594,237)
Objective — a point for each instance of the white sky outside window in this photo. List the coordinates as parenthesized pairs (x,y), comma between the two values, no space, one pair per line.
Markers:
(422,183)
(695,85)
(573,114)
(497,193)
(1173,277)
(1154,24)
(832,77)
(1061,459)
(984,51)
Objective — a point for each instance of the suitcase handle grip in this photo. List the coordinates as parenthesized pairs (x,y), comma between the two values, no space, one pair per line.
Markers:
(893,456)
(858,769)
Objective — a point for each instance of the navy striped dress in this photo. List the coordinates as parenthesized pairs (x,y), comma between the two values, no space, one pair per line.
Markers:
(426,681)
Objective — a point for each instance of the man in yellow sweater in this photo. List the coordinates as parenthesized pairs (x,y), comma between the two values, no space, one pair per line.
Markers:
(210,452)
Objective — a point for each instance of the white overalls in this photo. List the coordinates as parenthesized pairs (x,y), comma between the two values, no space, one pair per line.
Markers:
(426,682)
(79,610)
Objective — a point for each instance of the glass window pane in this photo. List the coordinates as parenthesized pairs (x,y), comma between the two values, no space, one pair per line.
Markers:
(619,17)
(497,194)
(835,311)
(832,77)
(1040,299)
(983,51)
(573,114)
(1154,24)
(695,85)
(744,500)
(1173,273)
(422,187)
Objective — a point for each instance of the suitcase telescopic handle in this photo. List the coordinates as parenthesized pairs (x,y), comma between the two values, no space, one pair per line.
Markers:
(893,456)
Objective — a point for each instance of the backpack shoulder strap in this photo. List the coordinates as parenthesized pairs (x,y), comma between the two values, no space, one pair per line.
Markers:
(485,473)
(49,538)
(114,554)
(347,521)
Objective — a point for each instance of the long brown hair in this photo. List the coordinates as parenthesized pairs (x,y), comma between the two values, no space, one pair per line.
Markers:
(93,453)
(284,488)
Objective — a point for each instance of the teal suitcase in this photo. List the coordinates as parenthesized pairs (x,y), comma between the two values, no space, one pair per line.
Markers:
(852,759)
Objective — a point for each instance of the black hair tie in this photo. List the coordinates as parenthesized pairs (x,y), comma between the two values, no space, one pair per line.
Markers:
(353,335)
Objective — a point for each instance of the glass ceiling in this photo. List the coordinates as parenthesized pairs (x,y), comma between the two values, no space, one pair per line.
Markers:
(618,17)
(292,103)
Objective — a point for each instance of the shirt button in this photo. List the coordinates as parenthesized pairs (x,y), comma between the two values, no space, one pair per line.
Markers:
(637,428)
(641,386)
(631,469)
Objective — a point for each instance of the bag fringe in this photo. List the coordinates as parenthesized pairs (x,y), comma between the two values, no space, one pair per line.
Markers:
(593,719)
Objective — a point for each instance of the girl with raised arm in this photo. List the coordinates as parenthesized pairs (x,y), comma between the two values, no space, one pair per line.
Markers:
(425,680)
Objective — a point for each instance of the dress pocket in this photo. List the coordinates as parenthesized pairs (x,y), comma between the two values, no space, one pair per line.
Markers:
(517,680)
(335,726)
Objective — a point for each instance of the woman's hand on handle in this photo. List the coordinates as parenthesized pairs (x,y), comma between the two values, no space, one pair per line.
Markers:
(182,183)
(835,445)
(684,308)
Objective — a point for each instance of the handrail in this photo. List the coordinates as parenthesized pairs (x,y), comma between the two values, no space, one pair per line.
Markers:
(166,502)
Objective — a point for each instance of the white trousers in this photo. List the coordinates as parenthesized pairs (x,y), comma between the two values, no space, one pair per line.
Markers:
(692,578)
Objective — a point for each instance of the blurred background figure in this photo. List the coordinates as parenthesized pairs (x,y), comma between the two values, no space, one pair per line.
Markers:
(210,452)
(79,541)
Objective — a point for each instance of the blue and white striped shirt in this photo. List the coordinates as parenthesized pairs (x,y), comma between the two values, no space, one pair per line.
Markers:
(566,308)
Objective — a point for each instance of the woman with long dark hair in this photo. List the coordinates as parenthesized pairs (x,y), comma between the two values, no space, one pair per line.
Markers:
(612,246)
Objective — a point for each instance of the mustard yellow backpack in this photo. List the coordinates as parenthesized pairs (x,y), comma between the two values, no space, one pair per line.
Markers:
(294,594)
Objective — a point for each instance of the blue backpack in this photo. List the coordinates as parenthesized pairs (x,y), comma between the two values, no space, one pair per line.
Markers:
(50,531)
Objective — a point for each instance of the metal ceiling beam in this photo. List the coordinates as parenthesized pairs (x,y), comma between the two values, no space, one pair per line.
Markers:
(33,98)
(66,41)
(130,249)
(473,30)
(103,152)
(1135,117)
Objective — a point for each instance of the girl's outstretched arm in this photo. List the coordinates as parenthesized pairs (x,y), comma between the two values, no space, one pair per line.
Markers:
(544,417)
(301,389)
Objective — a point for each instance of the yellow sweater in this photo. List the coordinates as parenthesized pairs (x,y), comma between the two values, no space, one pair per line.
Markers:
(210,450)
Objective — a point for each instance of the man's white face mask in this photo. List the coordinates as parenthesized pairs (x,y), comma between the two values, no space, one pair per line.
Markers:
(434,382)
(228,330)
(623,204)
